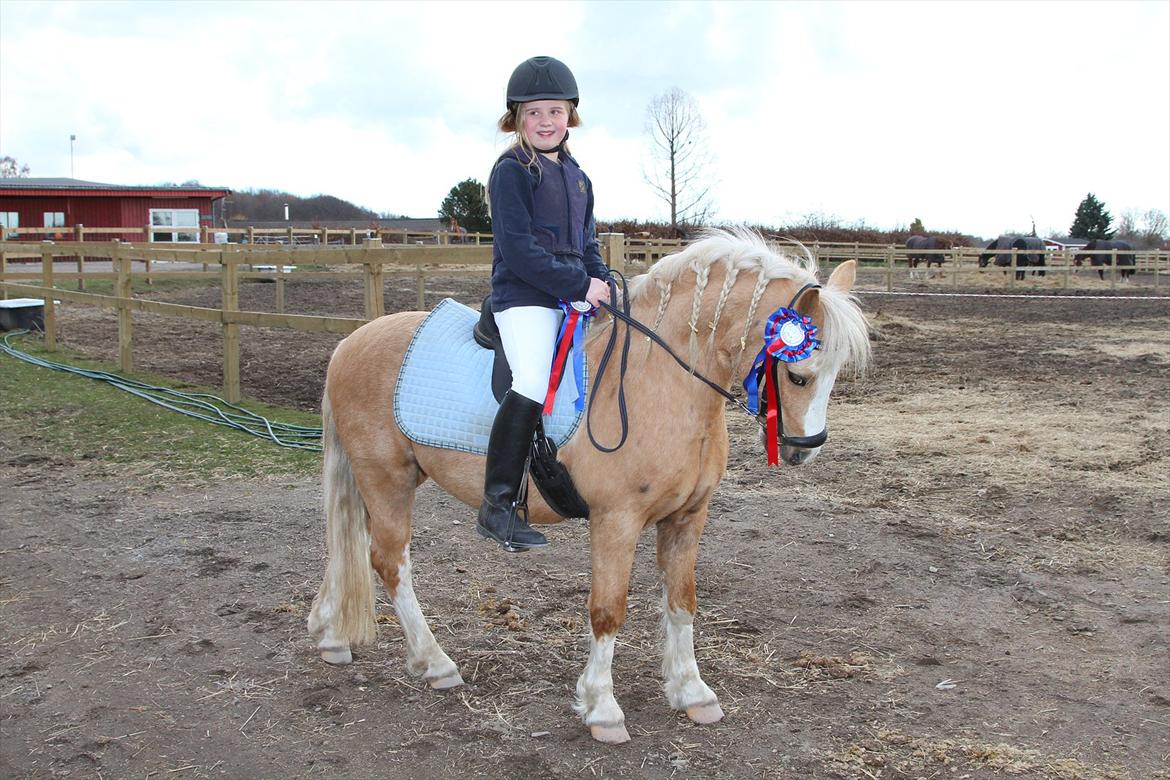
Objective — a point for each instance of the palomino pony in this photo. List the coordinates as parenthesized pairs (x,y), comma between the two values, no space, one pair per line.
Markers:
(712,299)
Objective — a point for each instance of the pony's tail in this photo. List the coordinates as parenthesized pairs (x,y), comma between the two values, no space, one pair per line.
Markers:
(343,611)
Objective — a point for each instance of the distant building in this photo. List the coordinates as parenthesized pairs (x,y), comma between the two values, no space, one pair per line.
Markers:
(54,207)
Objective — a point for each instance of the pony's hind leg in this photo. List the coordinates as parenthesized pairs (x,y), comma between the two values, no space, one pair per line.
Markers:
(390,510)
(678,547)
(362,532)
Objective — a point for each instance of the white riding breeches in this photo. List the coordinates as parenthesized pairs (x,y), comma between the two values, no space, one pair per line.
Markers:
(529,334)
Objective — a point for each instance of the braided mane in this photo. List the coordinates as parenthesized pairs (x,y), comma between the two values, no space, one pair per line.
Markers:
(845,333)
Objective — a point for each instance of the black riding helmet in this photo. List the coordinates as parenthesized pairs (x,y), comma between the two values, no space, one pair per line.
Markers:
(541,78)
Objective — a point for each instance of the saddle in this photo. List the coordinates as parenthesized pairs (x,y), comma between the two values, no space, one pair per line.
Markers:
(550,475)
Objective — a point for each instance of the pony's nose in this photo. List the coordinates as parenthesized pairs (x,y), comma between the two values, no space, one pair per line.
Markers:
(795,456)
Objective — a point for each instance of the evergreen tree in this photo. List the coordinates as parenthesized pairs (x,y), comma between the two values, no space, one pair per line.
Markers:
(1092,220)
(916,228)
(465,204)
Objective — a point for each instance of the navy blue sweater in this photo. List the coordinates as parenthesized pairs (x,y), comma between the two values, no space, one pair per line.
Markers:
(544,237)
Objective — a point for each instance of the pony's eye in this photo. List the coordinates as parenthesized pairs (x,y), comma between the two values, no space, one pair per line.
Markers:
(797,379)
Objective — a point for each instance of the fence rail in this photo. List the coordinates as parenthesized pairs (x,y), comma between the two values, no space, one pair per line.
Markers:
(373,260)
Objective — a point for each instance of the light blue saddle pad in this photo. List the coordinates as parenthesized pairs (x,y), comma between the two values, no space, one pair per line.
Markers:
(444,394)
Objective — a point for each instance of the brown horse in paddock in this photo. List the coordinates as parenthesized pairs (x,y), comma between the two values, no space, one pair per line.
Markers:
(711,300)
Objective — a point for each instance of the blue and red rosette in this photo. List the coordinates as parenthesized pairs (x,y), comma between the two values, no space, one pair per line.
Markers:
(789,337)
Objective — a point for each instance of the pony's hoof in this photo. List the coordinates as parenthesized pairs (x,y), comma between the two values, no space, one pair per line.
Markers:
(610,735)
(453,680)
(705,713)
(338,656)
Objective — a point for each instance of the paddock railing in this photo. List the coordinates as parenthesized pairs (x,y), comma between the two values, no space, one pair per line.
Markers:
(373,260)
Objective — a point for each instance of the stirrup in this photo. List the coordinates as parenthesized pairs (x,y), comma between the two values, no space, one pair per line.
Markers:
(518,508)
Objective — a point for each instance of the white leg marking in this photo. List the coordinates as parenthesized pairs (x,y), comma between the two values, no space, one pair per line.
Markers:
(424,657)
(685,689)
(595,700)
(334,649)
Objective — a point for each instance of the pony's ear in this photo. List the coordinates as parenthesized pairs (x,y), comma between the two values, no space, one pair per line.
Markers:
(808,302)
(843,276)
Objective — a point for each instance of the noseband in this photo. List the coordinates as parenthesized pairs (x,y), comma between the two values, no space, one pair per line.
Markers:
(761,416)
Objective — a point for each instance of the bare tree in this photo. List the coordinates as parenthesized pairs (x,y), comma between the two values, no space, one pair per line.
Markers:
(11,169)
(1154,227)
(680,157)
(1127,225)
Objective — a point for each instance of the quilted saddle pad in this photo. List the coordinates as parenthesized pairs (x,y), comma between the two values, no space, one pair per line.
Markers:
(444,394)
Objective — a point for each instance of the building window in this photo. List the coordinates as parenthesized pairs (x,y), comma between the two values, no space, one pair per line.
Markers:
(54,219)
(9,219)
(185,222)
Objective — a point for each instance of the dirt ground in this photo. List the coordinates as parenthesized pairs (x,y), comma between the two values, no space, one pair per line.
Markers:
(972,580)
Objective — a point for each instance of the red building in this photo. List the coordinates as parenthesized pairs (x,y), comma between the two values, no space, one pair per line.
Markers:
(36,209)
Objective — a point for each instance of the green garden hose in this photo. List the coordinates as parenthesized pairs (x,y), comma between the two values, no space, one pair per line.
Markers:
(202,406)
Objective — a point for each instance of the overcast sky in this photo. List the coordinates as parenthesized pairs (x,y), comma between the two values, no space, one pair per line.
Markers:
(978,117)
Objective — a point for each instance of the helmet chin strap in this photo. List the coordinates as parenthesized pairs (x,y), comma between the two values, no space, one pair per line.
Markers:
(558,148)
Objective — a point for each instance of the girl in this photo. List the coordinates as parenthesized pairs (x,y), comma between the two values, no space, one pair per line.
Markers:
(544,251)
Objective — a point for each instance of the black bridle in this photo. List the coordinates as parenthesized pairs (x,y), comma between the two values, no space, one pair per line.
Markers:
(623,314)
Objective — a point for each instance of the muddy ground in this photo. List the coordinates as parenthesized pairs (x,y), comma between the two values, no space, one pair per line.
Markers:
(971,581)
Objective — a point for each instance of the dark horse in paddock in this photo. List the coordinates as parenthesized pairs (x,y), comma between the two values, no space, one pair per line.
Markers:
(918,247)
(1029,253)
(1125,256)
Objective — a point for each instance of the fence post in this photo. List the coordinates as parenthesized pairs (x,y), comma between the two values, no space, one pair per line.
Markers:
(47,283)
(375,300)
(613,252)
(279,286)
(1113,269)
(124,284)
(890,268)
(78,236)
(4,271)
(1012,269)
(231,330)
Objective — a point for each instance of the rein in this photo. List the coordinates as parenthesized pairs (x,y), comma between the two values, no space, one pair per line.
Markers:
(623,314)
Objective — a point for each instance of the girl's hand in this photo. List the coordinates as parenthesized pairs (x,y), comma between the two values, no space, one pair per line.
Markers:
(598,291)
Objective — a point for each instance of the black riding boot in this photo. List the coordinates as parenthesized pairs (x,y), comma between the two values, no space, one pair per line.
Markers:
(508,448)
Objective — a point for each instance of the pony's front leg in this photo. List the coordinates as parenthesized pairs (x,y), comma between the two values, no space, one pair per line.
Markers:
(678,548)
(612,542)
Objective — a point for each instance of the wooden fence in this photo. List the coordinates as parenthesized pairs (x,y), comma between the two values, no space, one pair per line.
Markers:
(373,260)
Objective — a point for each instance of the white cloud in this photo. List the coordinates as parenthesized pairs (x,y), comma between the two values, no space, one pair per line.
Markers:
(971,116)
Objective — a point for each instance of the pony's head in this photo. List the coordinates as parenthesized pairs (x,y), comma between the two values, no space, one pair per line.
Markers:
(754,282)
(804,386)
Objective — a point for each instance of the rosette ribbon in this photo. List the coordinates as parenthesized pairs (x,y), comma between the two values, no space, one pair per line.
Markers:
(789,337)
(572,336)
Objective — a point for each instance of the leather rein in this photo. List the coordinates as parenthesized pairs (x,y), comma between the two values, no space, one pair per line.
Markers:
(623,314)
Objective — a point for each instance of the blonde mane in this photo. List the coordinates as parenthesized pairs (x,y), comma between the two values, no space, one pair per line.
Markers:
(845,333)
